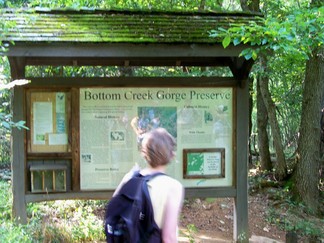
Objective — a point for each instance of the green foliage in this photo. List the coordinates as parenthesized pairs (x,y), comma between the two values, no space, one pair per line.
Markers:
(113,71)
(5,200)
(68,221)
(295,34)
(9,231)
(6,122)
(4,26)
(13,3)
(130,4)
(178,5)
(5,116)
(192,229)
(242,237)
(293,217)
(287,37)
(59,221)
(4,132)
(282,210)
(4,148)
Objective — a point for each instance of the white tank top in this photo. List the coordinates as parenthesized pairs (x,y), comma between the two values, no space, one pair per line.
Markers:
(159,188)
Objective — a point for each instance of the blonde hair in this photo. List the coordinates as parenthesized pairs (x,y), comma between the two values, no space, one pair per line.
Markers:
(158,147)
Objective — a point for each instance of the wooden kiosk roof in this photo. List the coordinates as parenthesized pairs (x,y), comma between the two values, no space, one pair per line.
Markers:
(123,38)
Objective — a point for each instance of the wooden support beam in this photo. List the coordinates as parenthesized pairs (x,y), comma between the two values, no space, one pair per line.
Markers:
(18,160)
(241,227)
(122,50)
(17,67)
(240,68)
(138,81)
(75,128)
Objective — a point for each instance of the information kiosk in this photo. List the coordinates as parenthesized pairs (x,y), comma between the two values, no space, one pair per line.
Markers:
(85,132)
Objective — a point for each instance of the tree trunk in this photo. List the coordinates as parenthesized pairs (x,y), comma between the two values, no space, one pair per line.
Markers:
(306,174)
(249,5)
(202,5)
(262,123)
(250,81)
(280,165)
(125,71)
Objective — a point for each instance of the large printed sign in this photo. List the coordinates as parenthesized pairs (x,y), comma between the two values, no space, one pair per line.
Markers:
(113,122)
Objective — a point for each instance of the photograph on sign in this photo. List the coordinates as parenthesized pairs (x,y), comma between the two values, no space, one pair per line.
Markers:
(150,117)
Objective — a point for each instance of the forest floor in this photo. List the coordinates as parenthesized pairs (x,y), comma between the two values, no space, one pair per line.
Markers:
(271,216)
(211,220)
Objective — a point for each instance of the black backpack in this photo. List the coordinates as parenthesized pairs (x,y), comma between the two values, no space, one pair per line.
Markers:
(129,215)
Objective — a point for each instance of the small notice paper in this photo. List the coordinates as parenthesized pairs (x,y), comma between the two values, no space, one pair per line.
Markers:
(57,139)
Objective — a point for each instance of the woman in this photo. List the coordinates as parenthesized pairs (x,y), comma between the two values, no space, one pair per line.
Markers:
(166,193)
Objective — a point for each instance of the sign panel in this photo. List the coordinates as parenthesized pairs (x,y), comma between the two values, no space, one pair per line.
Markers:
(204,163)
(113,122)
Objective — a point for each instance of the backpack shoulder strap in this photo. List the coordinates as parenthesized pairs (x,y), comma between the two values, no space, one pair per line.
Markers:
(144,185)
(137,183)
(151,176)
(152,228)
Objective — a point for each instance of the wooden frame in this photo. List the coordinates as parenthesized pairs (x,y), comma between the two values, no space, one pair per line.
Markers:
(210,160)
(57,140)
(21,196)
(53,183)
(73,86)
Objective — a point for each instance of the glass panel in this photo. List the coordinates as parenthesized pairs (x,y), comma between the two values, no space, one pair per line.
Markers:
(48,180)
(48,121)
(60,180)
(37,181)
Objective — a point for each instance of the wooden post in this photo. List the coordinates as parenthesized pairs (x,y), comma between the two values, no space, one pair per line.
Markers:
(241,227)
(291,237)
(18,147)
(18,161)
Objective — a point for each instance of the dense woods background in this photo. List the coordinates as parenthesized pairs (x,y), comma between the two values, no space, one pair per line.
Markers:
(286,83)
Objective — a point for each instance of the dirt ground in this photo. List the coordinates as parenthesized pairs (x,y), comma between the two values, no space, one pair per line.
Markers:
(212,219)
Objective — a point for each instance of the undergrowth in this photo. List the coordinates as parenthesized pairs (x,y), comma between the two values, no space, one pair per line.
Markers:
(284,212)
(57,221)
(80,221)
(293,217)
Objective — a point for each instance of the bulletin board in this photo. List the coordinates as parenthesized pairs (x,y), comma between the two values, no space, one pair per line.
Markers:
(49,119)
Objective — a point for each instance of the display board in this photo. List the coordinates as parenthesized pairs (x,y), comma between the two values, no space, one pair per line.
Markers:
(49,119)
(113,122)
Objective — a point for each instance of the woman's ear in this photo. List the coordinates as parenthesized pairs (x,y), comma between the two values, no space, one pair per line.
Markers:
(173,154)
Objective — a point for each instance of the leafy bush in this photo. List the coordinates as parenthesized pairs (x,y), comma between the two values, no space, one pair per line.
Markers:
(4,132)
(58,221)
(9,231)
(291,216)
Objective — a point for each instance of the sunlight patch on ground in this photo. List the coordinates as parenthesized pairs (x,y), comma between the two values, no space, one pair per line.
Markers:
(186,236)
